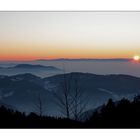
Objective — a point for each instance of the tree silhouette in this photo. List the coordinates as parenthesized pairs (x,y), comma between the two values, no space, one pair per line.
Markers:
(40,104)
(64,100)
(119,114)
(71,101)
(79,104)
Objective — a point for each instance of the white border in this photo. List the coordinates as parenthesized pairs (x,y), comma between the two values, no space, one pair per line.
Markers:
(70,134)
(64,5)
(59,5)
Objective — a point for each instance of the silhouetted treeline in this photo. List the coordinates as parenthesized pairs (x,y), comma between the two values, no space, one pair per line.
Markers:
(120,114)
(15,119)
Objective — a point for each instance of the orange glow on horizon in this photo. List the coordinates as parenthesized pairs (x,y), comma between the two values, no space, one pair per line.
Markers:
(31,51)
(23,58)
(29,57)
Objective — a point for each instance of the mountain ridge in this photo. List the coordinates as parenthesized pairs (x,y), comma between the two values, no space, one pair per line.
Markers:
(21,90)
(87,59)
(31,66)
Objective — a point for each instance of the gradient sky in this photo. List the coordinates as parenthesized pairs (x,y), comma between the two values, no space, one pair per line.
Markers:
(40,35)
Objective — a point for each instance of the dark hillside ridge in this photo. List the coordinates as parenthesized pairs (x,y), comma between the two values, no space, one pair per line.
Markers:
(21,91)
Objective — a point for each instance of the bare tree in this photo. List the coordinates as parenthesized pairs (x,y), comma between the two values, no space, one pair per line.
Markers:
(39,104)
(71,101)
(79,102)
(63,100)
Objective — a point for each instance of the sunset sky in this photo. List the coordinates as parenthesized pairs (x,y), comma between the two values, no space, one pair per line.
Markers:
(51,35)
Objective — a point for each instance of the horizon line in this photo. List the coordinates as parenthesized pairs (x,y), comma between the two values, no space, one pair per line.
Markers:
(56,59)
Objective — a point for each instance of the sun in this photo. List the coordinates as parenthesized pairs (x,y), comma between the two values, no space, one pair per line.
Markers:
(136,58)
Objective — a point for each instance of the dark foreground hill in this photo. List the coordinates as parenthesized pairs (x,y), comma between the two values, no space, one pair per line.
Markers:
(15,119)
(120,114)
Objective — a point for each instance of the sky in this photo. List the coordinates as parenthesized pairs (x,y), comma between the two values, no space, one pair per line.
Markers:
(52,35)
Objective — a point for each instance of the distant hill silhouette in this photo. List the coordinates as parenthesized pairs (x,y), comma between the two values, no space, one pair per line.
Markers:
(38,70)
(35,66)
(30,66)
(88,59)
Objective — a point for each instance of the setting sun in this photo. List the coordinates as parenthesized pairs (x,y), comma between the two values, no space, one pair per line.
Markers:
(136,58)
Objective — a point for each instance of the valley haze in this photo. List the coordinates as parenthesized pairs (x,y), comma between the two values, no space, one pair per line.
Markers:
(95,66)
